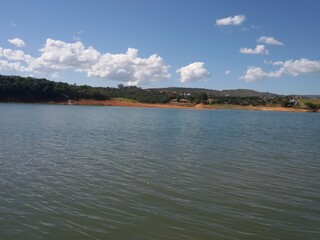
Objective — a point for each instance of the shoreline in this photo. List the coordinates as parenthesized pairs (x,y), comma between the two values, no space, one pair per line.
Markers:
(121,103)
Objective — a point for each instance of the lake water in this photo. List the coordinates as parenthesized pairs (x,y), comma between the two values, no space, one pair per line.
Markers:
(86,172)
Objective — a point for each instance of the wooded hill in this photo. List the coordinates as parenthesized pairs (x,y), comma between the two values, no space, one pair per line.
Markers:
(231,93)
(29,89)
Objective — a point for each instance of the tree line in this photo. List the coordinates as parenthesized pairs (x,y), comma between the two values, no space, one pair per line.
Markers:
(29,89)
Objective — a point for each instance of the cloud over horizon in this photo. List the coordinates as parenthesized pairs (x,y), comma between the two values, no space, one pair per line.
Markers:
(57,56)
(9,66)
(290,67)
(193,72)
(130,68)
(256,73)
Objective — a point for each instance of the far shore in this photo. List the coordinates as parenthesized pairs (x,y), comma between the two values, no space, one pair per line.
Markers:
(121,103)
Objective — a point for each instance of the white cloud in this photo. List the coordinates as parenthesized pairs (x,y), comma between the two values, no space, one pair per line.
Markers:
(278,63)
(68,55)
(276,74)
(253,74)
(8,66)
(256,74)
(235,20)
(17,42)
(301,66)
(269,40)
(130,68)
(293,68)
(193,72)
(14,60)
(260,49)
(13,55)
(57,56)
(228,72)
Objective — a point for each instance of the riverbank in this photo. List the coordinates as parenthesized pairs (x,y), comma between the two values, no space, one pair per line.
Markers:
(123,103)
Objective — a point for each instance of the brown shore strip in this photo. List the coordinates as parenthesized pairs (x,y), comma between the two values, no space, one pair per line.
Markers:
(119,103)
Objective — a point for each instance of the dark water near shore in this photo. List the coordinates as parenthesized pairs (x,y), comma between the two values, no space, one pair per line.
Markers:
(77,172)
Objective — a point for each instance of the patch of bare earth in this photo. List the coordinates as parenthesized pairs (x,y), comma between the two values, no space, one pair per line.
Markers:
(118,103)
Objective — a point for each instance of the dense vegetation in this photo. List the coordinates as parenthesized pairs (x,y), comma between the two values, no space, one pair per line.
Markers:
(20,89)
(211,92)
(312,102)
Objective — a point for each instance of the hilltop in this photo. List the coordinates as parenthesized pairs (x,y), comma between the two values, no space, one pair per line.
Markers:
(231,93)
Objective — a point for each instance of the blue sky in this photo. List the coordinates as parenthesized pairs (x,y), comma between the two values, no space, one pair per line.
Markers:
(269,46)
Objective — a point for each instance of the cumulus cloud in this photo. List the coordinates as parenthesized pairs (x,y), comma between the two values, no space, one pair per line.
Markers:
(14,55)
(9,66)
(256,73)
(228,72)
(298,67)
(68,55)
(253,74)
(57,56)
(17,42)
(130,68)
(235,20)
(269,40)
(293,68)
(260,49)
(193,72)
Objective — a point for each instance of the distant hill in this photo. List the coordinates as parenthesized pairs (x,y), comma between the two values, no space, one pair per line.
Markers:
(231,93)
(29,89)
(311,96)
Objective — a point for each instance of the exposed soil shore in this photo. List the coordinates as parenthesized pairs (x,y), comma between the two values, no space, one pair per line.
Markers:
(119,103)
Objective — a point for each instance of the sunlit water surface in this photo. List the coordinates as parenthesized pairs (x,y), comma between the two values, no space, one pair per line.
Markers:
(77,172)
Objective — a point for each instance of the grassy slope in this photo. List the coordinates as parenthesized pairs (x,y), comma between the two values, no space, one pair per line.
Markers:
(125,100)
(310,100)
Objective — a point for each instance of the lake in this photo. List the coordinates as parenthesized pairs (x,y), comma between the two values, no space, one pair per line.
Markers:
(89,172)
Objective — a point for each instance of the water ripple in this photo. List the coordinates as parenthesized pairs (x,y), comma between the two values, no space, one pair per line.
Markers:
(73,172)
